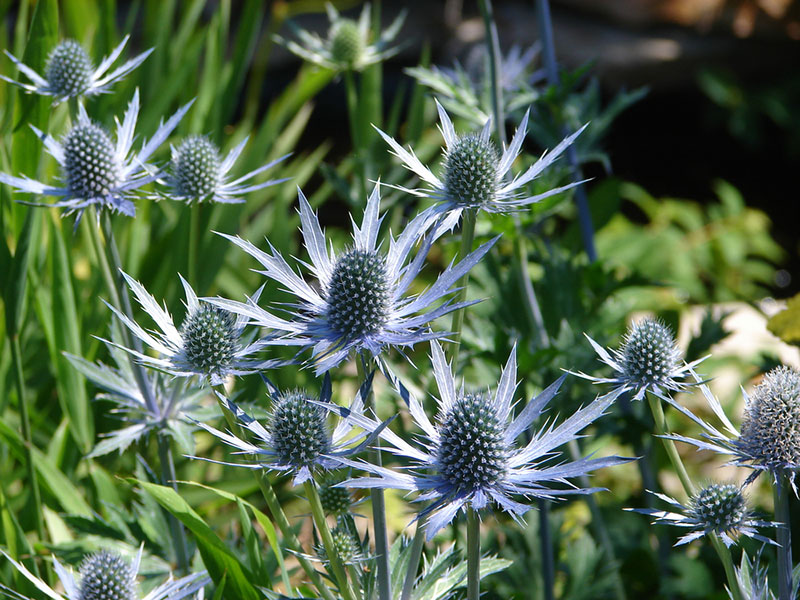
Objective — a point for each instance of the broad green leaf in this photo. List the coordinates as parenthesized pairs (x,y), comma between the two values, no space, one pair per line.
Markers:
(786,324)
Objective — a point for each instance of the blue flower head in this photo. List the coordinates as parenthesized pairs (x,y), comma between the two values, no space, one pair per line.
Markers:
(362,302)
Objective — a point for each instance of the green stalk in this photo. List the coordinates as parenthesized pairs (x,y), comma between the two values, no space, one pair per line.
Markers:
(413,560)
(353,114)
(276,510)
(175,526)
(22,400)
(688,486)
(784,537)
(194,236)
(318,514)
(378,507)
(473,555)
(470,216)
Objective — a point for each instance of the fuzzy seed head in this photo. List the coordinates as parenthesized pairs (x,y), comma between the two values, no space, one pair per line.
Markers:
(107,576)
(649,353)
(90,162)
(471,453)
(299,435)
(210,339)
(771,423)
(346,42)
(335,500)
(196,168)
(68,70)
(470,171)
(358,294)
(719,507)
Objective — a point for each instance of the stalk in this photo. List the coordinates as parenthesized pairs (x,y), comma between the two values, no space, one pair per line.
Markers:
(413,560)
(722,551)
(378,508)
(469,218)
(194,236)
(355,133)
(784,537)
(175,526)
(327,540)
(473,555)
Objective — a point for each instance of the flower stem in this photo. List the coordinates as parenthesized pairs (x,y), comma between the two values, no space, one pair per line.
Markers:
(169,477)
(688,486)
(353,114)
(194,235)
(784,537)
(318,514)
(473,555)
(276,510)
(378,507)
(468,220)
(413,560)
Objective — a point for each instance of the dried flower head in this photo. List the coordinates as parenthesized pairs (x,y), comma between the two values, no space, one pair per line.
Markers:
(69,72)
(720,509)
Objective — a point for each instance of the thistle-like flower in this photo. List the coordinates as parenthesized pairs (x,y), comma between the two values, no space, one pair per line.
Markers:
(296,438)
(770,436)
(106,575)
(474,171)
(470,456)
(207,345)
(720,509)
(346,543)
(69,72)
(335,500)
(198,173)
(648,360)
(362,302)
(347,47)
(97,171)
(169,405)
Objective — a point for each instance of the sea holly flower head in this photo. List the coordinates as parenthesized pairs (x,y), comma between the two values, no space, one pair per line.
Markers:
(208,344)
(198,173)
(474,171)
(648,360)
(69,72)
(99,171)
(719,509)
(362,302)
(347,46)
(470,456)
(296,438)
(106,575)
(335,500)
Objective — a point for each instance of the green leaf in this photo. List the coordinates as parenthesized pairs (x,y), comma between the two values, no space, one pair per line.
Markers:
(786,324)
(217,557)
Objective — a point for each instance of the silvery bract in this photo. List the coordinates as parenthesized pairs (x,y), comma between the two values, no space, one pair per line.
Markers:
(720,509)
(197,173)
(296,438)
(207,345)
(69,72)
(97,171)
(362,301)
(106,576)
(648,360)
(347,46)
(167,406)
(470,457)
(474,172)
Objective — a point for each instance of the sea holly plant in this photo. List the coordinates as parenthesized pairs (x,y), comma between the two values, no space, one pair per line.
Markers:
(69,72)
(362,303)
(106,575)
(97,171)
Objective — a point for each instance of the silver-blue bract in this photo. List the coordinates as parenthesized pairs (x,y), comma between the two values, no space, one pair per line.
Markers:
(172,403)
(648,360)
(347,46)
(470,457)
(97,171)
(769,437)
(69,72)
(720,509)
(207,345)
(75,589)
(474,172)
(296,439)
(197,173)
(362,301)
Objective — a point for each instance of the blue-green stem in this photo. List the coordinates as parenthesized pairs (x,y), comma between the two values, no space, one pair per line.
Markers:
(378,506)
(318,514)
(353,113)
(194,241)
(468,219)
(780,490)
(690,489)
(415,554)
(280,519)
(473,555)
